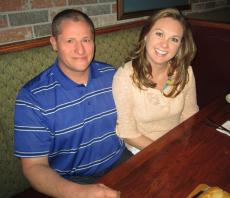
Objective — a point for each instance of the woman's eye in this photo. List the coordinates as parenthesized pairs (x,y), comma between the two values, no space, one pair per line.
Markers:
(175,40)
(160,34)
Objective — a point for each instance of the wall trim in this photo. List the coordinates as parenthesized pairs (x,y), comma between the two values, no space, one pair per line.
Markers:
(40,42)
(19,46)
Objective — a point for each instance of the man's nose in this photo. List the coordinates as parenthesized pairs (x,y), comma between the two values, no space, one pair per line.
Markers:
(79,48)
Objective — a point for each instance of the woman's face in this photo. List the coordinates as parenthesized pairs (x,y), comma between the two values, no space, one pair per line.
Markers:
(163,41)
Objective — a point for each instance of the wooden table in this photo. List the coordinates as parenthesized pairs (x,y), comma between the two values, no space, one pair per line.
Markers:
(190,154)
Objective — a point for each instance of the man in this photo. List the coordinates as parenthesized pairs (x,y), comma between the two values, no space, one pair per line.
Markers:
(65,117)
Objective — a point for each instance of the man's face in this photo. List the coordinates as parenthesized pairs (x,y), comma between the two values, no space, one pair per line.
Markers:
(75,47)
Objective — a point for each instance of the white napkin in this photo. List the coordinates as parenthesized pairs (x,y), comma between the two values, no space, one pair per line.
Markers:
(225,125)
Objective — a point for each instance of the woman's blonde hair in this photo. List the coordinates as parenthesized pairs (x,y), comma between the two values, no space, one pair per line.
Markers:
(178,65)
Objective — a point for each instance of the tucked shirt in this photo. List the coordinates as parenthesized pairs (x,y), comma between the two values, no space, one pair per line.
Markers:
(73,124)
(148,112)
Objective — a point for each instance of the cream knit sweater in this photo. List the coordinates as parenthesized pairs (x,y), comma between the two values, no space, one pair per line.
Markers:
(149,112)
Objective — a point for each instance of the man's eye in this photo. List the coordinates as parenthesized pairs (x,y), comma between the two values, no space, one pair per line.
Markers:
(70,41)
(86,40)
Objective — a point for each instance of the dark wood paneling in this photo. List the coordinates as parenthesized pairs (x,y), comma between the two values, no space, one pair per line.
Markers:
(211,65)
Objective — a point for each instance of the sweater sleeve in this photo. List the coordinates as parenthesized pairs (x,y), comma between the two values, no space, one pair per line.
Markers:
(123,96)
(190,105)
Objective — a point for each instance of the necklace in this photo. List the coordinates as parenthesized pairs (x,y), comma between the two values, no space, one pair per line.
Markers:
(168,82)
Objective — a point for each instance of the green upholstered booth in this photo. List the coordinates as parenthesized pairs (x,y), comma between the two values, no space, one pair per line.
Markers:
(16,68)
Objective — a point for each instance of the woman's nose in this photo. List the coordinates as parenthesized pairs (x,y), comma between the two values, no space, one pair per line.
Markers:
(164,43)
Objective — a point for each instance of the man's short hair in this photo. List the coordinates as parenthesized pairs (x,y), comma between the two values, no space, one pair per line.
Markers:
(70,14)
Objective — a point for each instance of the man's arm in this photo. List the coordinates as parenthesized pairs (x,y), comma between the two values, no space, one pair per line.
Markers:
(46,180)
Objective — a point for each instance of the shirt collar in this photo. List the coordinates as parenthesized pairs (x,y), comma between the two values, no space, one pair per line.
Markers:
(68,83)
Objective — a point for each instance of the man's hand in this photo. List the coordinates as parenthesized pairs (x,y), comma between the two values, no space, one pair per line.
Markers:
(97,190)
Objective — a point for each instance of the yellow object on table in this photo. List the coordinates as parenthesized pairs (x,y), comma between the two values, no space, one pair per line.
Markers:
(204,191)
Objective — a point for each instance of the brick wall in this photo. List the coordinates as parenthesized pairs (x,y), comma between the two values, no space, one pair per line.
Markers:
(22,20)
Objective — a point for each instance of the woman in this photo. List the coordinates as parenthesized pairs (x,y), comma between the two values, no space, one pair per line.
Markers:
(155,91)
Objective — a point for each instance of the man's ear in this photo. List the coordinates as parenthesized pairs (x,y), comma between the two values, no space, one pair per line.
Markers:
(53,43)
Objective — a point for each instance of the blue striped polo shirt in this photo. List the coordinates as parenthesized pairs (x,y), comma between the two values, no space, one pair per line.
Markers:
(72,124)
